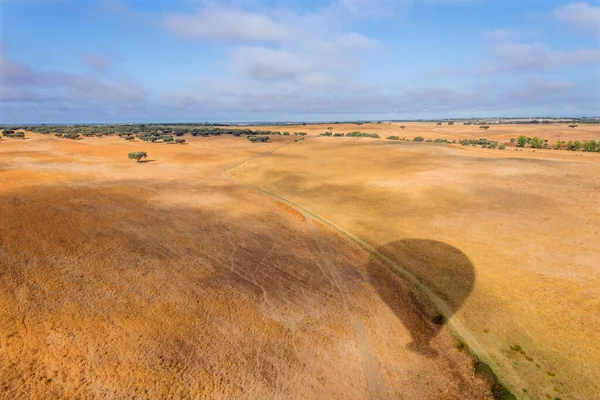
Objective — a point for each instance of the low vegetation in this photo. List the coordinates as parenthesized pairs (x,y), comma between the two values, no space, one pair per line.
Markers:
(257,139)
(11,133)
(362,134)
(137,155)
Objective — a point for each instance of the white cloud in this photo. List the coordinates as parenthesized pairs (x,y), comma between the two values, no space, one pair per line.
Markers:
(226,23)
(581,16)
(515,56)
(268,64)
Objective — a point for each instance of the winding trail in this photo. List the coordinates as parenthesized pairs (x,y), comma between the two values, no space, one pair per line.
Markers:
(457,328)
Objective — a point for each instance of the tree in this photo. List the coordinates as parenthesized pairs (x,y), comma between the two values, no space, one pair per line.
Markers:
(521,141)
(402,126)
(559,144)
(486,127)
(418,139)
(537,143)
(591,145)
(439,123)
(573,145)
(450,123)
(137,155)
(573,126)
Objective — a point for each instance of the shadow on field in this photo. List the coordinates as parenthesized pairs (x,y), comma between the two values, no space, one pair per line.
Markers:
(146,161)
(442,268)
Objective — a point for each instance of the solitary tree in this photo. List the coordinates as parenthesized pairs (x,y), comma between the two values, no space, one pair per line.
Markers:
(402,126)
(521,141)
(137,155)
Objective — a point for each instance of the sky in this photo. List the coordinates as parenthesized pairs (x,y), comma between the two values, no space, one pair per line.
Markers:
(86,61)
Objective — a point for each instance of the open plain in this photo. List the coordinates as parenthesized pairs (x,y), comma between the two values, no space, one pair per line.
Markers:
(323,268)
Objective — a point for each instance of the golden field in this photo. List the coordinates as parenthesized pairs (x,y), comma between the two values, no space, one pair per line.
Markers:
(529,222)
(167,279)
(191,275)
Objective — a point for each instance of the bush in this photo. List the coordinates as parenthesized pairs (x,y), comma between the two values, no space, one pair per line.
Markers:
(521,141)
(299,133)
(137,155)
(402,126)
(439,123)
(486,127)
(286,134)
(537,143)
(256,139)
(338,134)
(573,145)
(501,147)
(418,139)
(591,145)
(362,134)
(573,126)
(180,141)
(450,123)
(441,141)
(393,138)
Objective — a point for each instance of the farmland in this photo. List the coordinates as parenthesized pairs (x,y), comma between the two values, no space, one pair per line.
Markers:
(326,267)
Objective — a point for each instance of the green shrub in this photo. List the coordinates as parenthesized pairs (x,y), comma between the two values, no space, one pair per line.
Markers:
(392,138)
(137,155)
(521,141)
(501,147)
(362,134)
(418,139)
(537,143)
(338,134)
(256,139)
(591,145)
(573,145)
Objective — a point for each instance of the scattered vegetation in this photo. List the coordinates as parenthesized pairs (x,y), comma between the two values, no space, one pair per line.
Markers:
(418,139)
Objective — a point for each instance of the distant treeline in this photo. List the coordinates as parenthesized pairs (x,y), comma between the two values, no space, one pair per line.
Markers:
(148,132)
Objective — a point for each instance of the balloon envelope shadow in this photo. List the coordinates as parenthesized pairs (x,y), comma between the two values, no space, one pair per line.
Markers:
(442,268)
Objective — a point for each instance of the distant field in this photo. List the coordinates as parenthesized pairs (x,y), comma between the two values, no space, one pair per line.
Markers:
(429,130)
(168,279)
(527,221)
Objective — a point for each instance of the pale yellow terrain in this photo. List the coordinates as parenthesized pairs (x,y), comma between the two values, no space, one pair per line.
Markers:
(168,279)
(529,222)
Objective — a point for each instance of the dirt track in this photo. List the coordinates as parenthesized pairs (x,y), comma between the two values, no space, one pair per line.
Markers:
(166,279)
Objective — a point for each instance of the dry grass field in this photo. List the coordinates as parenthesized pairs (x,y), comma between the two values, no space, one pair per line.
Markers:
(527,221)
(169,279)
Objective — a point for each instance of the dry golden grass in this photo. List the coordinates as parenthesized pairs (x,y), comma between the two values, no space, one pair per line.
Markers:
(166,279)
(527,221)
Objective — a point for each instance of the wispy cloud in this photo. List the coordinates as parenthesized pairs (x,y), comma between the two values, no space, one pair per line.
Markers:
(96,62)
(226,23)
(581,16)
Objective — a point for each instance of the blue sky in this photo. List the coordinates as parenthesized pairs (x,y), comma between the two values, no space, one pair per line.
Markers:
(257,60)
